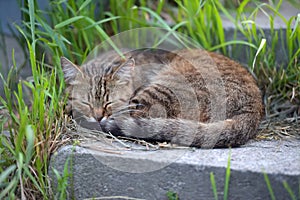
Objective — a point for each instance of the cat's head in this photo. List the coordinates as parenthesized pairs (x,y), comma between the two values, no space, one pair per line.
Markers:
(97,87)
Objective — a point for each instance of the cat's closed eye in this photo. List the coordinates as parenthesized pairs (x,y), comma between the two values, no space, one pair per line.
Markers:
(106,105)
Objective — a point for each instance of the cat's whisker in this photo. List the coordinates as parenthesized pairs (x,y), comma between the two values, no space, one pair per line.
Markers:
(123,107)
(129,106)
(124,112)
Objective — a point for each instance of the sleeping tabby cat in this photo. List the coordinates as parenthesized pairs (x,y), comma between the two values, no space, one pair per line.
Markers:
(189,97)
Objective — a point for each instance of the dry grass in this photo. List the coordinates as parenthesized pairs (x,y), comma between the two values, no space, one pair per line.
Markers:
(278,128)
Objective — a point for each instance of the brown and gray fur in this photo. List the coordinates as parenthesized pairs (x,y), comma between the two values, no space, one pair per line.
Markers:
(189,97)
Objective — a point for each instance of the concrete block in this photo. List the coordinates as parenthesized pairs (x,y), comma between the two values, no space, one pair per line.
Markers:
(151,174)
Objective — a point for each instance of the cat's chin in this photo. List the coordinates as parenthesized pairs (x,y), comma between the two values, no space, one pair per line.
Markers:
(89,125)
(88,122)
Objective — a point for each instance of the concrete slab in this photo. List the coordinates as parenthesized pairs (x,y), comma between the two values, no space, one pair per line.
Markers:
(151,174)
(262,19)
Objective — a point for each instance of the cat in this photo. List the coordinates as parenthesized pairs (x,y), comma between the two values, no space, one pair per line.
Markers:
(187,97)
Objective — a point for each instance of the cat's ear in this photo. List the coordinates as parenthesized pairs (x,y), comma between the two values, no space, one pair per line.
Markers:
(70,70)
(125,69)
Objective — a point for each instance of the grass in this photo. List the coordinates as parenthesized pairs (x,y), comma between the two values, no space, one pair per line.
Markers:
(172,195)
(271,192)
(226,184)
(72,28)
(25,153)
(266,178)
(64,180)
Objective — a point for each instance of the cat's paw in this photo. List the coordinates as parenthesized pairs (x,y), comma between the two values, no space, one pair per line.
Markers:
(110,125)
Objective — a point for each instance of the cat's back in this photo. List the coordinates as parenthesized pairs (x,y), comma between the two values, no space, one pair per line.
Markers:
(214,76)
(215,66)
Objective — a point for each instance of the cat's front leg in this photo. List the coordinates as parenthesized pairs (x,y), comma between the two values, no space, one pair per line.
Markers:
(128,126)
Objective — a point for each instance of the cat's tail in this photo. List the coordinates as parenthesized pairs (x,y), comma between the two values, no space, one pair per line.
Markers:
(228,133)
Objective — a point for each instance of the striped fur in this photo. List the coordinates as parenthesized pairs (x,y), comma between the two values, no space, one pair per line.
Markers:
(188,97)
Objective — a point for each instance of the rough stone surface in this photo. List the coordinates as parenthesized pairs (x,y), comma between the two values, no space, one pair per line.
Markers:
(151,174)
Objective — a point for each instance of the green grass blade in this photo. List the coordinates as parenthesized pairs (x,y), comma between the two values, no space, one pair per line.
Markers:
(102,21)
(225,11)
(289,190)
(173,33)
(84,4)
(261,46)
(274,10)
(32,57)
(227,178)
(30,143)
(296,26)
(295,56)
(218,23)
(9,146)
(234,42)
(5,174)
(157,17)
(213,185)
(32,22)
(9,188)
(67,22)
(160,6)
(272,195)
(104,35)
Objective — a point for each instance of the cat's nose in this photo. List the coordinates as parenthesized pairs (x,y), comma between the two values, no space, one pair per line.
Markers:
(98,114)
